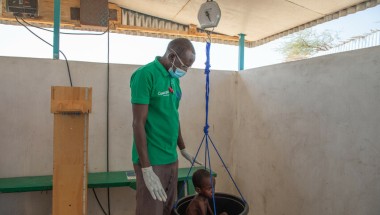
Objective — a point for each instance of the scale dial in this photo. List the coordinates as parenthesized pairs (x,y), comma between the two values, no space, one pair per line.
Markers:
(209,15)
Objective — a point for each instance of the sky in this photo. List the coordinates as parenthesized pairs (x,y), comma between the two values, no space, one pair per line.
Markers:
(127,49)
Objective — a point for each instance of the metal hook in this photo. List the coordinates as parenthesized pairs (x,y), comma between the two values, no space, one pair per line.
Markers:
(209,35)
(208,39)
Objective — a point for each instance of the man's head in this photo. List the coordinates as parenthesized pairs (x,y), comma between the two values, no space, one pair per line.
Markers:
(202,183)
(179,55)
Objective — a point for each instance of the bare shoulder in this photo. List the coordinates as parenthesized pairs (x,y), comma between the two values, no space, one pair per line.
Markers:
(196,207)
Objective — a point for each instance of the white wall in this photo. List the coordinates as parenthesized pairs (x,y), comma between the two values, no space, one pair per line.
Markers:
(26,125)
(308,136)
(300,138)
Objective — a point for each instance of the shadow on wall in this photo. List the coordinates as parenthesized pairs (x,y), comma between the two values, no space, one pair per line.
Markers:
(262,166)
(307,135)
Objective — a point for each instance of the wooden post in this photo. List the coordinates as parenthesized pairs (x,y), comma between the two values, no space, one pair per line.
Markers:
(71,107)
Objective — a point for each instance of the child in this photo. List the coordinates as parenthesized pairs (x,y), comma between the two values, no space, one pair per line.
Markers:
(200,205)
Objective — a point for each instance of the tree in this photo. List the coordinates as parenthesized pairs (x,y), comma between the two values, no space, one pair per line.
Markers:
(304,44)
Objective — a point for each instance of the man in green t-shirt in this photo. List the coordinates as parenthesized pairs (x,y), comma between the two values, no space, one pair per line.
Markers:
(156,93)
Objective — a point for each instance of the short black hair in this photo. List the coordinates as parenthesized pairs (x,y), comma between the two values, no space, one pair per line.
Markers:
(180,45)
(198,177)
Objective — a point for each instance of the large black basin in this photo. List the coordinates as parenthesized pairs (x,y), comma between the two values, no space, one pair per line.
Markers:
(224,203)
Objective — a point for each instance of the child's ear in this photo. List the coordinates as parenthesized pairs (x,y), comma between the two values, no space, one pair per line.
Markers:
(197,189)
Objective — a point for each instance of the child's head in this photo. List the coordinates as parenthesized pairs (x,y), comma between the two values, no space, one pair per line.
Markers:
(202,183)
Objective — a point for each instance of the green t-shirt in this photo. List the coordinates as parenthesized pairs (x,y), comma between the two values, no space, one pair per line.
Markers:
(152,85)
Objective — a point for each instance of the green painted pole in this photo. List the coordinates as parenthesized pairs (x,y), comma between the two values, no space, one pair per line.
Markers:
(57,22)
(241,51)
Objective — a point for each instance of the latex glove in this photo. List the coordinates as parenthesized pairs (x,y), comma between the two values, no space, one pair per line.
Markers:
(189,157)
(153,184)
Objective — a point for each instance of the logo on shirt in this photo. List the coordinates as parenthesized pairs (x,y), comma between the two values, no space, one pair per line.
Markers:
(163,93)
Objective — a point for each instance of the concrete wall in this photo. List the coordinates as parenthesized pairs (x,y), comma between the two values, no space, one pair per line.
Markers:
(26,126)
(300,138)
(307,136)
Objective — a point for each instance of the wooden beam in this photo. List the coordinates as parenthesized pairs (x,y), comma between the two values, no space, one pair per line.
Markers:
(45,19)
(176,33)
(132,30)
(70,149)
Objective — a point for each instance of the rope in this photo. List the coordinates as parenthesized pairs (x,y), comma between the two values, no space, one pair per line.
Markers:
(207,72)
(206,137)
(205,130)
(206,127)
(241,195)
(212,184)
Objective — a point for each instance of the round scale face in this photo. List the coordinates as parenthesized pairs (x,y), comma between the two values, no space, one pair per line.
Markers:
(209,15)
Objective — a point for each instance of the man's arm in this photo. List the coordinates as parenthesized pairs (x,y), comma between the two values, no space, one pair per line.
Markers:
(152,182)
(140,113)
(180,143)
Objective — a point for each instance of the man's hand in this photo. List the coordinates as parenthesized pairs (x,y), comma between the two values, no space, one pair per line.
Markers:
(153,184)
(189,157)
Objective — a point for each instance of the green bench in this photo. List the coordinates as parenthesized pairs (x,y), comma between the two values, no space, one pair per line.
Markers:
(95,180)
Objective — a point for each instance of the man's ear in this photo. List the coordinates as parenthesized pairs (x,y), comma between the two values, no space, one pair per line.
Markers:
(171,56)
